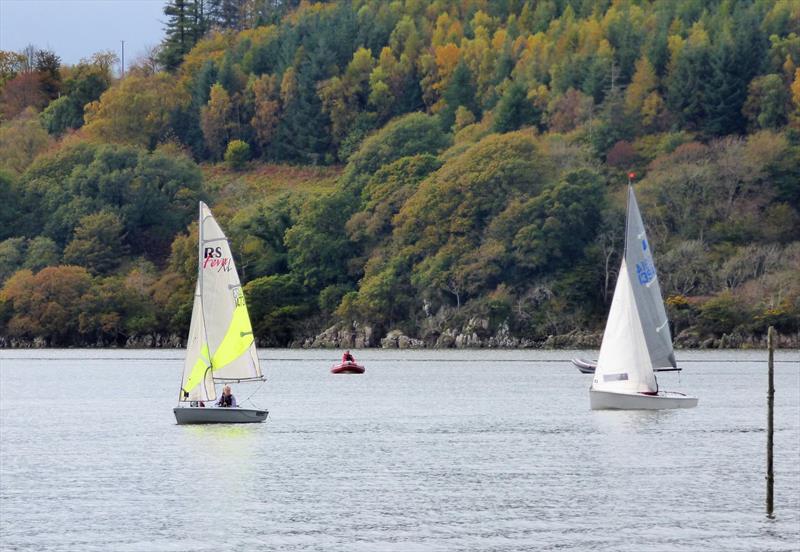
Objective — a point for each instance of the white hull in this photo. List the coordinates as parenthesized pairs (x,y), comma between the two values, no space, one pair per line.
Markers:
(211,415)
(608,400)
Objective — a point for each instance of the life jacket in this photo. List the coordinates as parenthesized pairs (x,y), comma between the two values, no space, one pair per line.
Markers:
(226,400)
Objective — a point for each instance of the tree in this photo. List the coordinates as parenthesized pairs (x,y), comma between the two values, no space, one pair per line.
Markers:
(568,111)
(12,253)
(21,92)
(317,245)
(303,130)
(460,91)
(767,104)
(687,85)
(11,63)
(42,252)
(154,194)
(21,140)
(226,14)
(185,25)
(725,92)
(344,98)
(10,206)
(136,111)
(408,135)
(643,84)
(277,305)
(47,304)
(47,66)
(461,256)
(266,110)
(515,110)
(216,120)
(97,244)
(237,154)
(85,85)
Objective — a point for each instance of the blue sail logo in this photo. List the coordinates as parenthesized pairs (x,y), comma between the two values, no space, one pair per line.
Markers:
(645,272)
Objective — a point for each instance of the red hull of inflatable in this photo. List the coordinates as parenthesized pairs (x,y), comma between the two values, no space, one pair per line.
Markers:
(347,368)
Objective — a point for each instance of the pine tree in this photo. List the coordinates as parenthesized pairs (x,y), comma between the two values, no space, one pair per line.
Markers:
(226,14)
(515,110)
(687,87)
(186,24)
(460,91)
(725,94)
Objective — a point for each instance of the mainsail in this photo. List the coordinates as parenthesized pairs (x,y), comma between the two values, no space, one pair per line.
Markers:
(220,344)
(637,338)
(649,304)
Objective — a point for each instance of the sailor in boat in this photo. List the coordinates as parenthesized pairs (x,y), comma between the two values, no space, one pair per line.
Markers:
(227,399)
(348,358)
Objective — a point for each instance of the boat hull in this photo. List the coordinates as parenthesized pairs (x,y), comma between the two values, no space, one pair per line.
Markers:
(585,366)
(211,415)
(589,366)
(607,400)
(347,368)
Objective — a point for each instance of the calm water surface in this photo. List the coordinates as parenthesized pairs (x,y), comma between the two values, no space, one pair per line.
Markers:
(429,450)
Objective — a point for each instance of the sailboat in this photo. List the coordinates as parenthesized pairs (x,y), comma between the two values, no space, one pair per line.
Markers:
(637,340)
(220,348)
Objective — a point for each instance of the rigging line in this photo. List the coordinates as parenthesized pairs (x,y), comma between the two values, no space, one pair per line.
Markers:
(254,392)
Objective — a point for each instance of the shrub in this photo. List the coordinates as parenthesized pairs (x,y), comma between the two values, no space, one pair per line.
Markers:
(237,154)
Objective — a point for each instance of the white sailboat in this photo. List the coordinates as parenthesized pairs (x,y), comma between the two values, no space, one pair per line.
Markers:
(220,348)
(637,341)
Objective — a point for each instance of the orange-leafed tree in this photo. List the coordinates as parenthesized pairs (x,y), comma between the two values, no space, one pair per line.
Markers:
(46,304)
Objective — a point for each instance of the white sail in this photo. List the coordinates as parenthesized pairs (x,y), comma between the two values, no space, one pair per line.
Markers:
(229,334)
(197,383)
(624,363)
(646,291)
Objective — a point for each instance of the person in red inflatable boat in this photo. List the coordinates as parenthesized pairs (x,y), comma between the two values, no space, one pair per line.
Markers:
(347,357)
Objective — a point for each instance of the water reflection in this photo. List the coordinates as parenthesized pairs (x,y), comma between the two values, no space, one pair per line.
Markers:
(430,455)
(631,421)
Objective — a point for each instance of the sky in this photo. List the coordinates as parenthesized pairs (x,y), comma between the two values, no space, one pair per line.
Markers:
(75,29)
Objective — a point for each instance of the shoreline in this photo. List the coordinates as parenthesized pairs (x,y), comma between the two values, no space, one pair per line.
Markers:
(553,342)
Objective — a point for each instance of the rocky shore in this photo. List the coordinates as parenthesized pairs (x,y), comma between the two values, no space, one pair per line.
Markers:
(474,335)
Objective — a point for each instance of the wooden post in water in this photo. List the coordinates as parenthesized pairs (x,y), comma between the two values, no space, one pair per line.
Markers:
(770,409)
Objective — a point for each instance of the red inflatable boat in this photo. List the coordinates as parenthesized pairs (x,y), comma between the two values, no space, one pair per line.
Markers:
(347,368)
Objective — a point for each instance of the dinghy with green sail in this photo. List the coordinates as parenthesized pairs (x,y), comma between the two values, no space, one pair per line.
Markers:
(220,349)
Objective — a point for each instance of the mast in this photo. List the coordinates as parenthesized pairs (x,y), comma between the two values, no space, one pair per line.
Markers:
(200,272)
(631,176)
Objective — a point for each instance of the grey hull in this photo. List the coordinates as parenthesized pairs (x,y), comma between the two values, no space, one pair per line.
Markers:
(585,366)
(589,366)
(606,400)
(211,415)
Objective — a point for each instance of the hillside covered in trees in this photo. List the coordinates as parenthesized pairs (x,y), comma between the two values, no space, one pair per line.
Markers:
(451,172)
